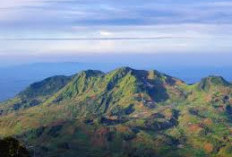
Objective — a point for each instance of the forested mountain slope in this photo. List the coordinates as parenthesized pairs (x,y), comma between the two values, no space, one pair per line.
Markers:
(123,113)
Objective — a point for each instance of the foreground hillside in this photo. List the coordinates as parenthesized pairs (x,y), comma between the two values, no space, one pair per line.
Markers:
(124,113)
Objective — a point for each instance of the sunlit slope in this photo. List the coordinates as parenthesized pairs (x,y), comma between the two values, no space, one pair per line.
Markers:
(125,112)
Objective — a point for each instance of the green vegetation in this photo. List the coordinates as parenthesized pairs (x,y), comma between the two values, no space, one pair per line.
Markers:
(124,113)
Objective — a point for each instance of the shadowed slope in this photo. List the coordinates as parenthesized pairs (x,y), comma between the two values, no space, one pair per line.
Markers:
(35,94)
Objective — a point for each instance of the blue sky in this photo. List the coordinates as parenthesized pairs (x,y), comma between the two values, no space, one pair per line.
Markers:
(35,30)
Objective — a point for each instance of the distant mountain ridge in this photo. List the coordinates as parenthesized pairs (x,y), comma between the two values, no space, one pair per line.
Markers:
(122,113)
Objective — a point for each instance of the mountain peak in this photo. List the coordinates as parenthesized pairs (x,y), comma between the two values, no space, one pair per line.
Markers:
(90,73)
(46,87)
(211,81)
(124,69)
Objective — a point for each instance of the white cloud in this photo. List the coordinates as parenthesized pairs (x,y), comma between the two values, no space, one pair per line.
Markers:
(105,33)
(187,38)
(164,26)
(220,4)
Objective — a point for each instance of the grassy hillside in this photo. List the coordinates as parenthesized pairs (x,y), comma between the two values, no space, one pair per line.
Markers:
(124,113)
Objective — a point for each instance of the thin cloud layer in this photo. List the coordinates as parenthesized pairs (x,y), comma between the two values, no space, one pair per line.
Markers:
(97,26)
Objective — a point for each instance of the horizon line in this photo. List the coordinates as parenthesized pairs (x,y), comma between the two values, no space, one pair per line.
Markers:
(84,39)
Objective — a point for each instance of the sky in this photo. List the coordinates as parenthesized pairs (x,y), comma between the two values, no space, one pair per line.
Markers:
(41,30)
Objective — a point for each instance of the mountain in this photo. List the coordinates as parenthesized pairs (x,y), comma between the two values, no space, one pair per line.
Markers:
(123,113)
(15,78)
(213,81)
